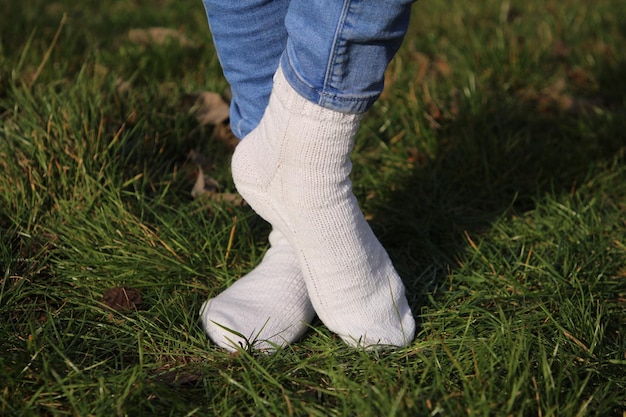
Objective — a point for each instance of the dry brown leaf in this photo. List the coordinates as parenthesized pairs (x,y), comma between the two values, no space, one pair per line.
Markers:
(423,62)
(122,87)
(556,98)
(580,78)
(122,299)
(158,36)
(560,50)
(207,107)
(442,67)
(211,109)
(578,105)
(203,185)
(207,187)
(431,68)
(179,378)
(432,113)
(231,198)
(604,49)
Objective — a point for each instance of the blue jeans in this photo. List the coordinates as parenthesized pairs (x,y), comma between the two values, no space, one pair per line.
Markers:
(333,52)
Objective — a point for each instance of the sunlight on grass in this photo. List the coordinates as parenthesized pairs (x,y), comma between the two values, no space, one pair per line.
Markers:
(493,169)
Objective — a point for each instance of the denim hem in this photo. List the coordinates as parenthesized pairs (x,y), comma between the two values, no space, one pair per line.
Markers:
(341,103)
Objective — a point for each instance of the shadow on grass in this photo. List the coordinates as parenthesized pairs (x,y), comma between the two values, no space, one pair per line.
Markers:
(497,161)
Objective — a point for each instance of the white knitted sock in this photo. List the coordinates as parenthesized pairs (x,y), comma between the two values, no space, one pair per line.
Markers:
(293,170)
(269,306)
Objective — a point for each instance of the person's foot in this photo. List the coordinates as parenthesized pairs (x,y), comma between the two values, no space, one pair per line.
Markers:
(293,170)
(269,307)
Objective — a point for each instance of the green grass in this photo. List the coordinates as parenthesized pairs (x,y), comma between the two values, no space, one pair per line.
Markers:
(493,169)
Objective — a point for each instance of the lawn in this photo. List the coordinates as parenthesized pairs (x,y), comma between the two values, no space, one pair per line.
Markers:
(493,169)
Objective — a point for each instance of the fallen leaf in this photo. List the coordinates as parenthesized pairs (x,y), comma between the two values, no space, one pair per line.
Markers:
(158,36)
(442,67)
(604,49)
(556,98)
(180,378)
(231,198)
(423,62)
(122,299)
(207,107)
(206,186)
(211,109)
(581,78)
(203,185)
(560,50)
(122,87)
(430,68)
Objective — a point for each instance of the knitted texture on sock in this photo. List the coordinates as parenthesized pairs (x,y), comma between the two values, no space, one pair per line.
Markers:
(293,170)
(269,306)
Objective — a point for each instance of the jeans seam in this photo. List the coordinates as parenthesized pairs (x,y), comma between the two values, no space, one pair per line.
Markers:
(334,50)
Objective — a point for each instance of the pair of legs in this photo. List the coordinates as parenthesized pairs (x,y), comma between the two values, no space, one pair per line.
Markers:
(302,73)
